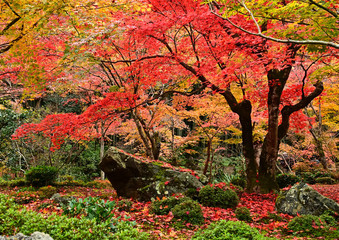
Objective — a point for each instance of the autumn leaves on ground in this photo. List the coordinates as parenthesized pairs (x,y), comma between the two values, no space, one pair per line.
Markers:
(261,206)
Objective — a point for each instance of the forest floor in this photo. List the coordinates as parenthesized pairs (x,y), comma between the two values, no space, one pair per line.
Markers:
(261,207)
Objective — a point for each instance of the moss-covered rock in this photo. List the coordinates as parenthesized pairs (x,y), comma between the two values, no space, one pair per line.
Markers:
(303,200)
(144,179)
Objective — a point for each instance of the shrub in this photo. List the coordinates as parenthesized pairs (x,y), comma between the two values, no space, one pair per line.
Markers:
(163,207)
(91,208)
(285,180)
(228,230)
(325,180)
(20,182)
(192,193)
(41,176)
(99,184)
(46,192)
(313,226)
(188,211)
(218,197)
(126,230)
(243,214)
(239,181)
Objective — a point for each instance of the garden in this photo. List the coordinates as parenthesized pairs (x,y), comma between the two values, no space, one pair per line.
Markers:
(169,119)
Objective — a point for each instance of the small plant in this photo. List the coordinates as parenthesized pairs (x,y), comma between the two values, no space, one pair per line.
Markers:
(313,226)
(47,192)
(228,230)
(285,180)
(91,208)
(188,211)
(41,176)
(243,214)
(218,197)
(163,207)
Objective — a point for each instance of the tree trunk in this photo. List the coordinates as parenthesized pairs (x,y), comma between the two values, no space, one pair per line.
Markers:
(209,145)
(244,110)
(102,151)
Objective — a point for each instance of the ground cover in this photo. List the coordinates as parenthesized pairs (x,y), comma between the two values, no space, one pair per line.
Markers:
(261,207)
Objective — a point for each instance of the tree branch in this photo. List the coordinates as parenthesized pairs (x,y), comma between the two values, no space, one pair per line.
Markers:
(260,34)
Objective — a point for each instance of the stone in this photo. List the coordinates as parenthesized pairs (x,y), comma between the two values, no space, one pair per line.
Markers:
(34,236)
(303,200)
(62,200)
(144,179)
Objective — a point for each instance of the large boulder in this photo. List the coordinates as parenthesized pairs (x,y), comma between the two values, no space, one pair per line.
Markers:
(302,199)
(143,179)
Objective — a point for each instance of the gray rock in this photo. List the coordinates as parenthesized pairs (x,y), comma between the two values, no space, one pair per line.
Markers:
(63,200)
(34,236)
(40,236)
(302,199)
(143,179)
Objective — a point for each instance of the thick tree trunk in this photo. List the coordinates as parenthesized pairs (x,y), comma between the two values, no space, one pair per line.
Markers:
(248,148)
(269,153)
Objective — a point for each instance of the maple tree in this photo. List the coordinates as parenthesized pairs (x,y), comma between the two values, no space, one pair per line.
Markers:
(196,41)
(141,59)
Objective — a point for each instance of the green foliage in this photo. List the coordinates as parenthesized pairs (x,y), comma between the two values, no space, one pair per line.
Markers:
(85,165)
(239,181)
(192,193)
(126,230)
(188,211)
(222,163)
(163,207)
(91,208)
(9,122)
(285,180)
(325,180)
(19,182)
(243,214)
(313,226)
(228,230)
(308,177)
(218,197)
(41,175)
(14,220)
(47,192)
